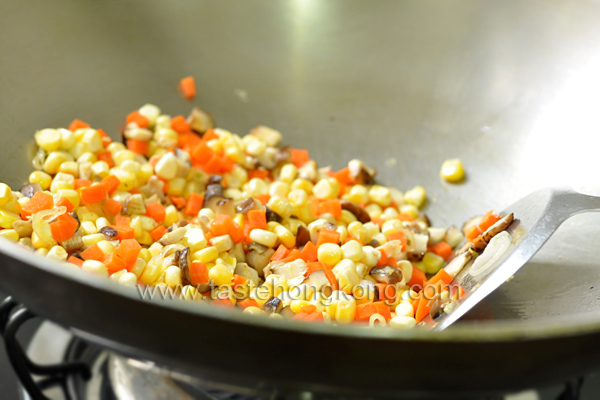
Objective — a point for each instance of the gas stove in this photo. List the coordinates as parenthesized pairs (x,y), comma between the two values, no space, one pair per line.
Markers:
(83,371)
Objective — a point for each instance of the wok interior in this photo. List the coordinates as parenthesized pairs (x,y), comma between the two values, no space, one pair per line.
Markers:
(508,87)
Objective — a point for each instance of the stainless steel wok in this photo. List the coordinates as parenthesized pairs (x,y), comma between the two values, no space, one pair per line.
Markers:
(512,88)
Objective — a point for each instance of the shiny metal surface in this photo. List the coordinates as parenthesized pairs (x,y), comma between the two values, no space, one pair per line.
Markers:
(538,216)
(509,87)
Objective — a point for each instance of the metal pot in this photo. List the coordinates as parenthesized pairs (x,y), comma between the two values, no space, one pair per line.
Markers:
(509,87)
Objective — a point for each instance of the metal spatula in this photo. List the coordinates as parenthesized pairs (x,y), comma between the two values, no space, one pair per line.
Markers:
(537,217)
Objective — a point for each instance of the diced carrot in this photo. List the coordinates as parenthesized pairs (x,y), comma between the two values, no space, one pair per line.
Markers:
(38,202)
(188,141)
(214,165)
(415,303)
(300,316)
(257,219)
(378,221)
(92,253)
(397,235)
(243,304)
(422,309)
(258,173)
(158,232)
(138,119)
(238,280)
(330,206)
(418,279)
(299,157)
(81,183)
(156,211)
(330,276)
(198,273)
(343,176)
(194,204)
(314,316)
(202,154)
(138,146)
(180,125)
(210,135)
(442,249)
(489,219)
(222,224)
(106,140)
(128,250)
(292,256)
(124,232)
(64,227)
(313,267)
(78,124)
(328,236)
(280,253)
(309,308)
(75,260)
(178,201)
(404,217)
(309,252)
(93,194)
(187,86)
(441,276)
(122,220)
(227,165)
(112,206)
(110,183)
(114,263)
(64,202)
(263,198)
(107,158)
(472,232)
(237,234)
(365,310)
(387,293)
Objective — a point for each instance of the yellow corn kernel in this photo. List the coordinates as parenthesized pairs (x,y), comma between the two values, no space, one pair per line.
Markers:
(380,195)
(132,166)
(281,189)
(297,305)
(326,189)
(69,167)
(145,239)
(303,184)
(38,243)
(410,210)
(146,171)
(115,146)
(87,157)
(415,196)
(151,273)
(254,311)
(452,170)
(352,250)
(100,169)
(358,194)
(92,140)
(280,206)
(370,256)
(205,255)
(62,181)
(121,156)
(77,150)
(173,276)
(391,225)
(13,206)
(127,179)
(288,173)
(42,178)
(283,234)
(329,253)
(89,227)
(220,275)
(358,231)
(176,187)
(10,234)
(67,139)
(7,218)
(263,237)
(90,240)
(256,187)
(306,214)
(6,194)
(87,215)
(106,247)
(48,139)
(292,224)
(54,160)
(171,215)
(145,255)
(374,210)
(57,253)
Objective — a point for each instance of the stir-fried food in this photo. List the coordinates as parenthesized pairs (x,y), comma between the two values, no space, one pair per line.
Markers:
(239,222)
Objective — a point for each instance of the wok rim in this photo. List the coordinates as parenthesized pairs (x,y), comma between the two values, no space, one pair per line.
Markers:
(480,331)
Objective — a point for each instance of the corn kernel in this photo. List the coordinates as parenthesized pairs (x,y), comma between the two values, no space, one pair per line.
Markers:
(263,237)
(416,196)
(352,250)
(67,139)
(303,184)
(205,255)
(280,206)
(95,267)
(176,186)
(325,189)
(410,210)
(42,178)
(358,194)
(171,215)
(283,234)
(69,167)
(358,231)
(87,157)
(54,160)
(220,275)
(106,247)
(432,263)
(145,255)
(57,253)
(329,253)
(380,195)
(288,173)
(10,234)
(48,139)
(452,170)
(370,256)
(92,140)
(7,218)
(89,227)
(254,311)
(151,272)
(90,240)
(173,276)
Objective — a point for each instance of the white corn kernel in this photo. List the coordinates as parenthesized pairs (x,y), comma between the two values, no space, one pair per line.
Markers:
(352,250)
(89,228)
(128,279)
(166,167)
(405,310)
(95,267)
(380,195)
(370,256)
(402,322)
(173,276)
(263,237)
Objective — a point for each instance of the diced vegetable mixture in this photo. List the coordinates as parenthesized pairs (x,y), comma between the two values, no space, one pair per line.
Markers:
(240,222)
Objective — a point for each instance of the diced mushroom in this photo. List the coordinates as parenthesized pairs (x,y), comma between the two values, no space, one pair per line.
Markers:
(268,135)
(259,261)
(458,263)
(272,215)
(109,232)
(361,173)
(73,243)
(247,205)
(134,204)
(492,231)
(221,205)
(317,280)
(184,265)
(215,180)
(200,121)
(213,189)
(257,247)
(30,189)
(360,213)
(154,187)
(436,235)
(414,257)
(273,305)
(290,270)
(284,155)
(173,236)
(386,274)
(302,236)
(423,221)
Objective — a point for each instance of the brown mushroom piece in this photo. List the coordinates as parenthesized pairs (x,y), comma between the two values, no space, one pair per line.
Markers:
(215,180)
(273,305)
(361,173)
(73,243)
(284,155)
(248,205)
(109,232)
(221,205)
(272,216)
(492,231)
(415,257)
(436,308)
(183,260)
(200,121)
(213,189)
(30,189)
(386,274)
(259,261)
(358,211)
(302,236)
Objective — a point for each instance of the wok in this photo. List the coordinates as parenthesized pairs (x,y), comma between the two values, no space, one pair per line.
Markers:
(509,87)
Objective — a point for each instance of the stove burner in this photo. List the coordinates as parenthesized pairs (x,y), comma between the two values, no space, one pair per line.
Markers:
(76,370)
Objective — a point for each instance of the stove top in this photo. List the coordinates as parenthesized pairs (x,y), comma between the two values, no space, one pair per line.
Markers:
(114,377)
